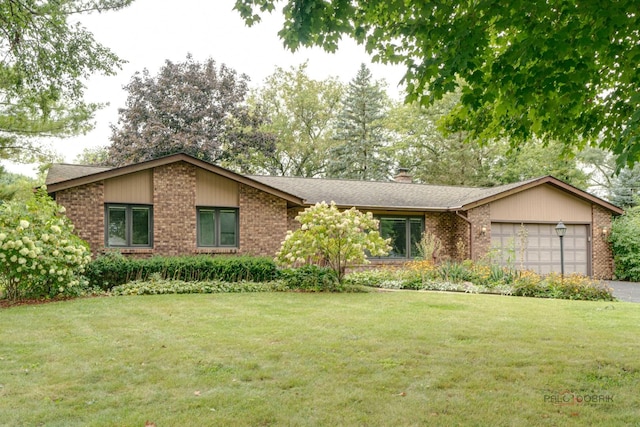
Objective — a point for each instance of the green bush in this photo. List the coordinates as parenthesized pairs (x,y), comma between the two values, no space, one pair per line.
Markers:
(479,278)
(573,287)
(39,254)
(114,269)
(625,238)
(311,278)
(157,286)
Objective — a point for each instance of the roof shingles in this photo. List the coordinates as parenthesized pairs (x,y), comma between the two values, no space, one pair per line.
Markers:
(345,193)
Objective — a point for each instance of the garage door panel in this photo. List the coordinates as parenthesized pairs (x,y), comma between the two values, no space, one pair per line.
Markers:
(541,246)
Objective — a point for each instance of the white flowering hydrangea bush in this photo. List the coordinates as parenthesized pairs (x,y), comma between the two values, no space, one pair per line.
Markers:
(39,254)
(328,236)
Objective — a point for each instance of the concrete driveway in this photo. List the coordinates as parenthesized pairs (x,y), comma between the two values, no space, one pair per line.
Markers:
(625,291)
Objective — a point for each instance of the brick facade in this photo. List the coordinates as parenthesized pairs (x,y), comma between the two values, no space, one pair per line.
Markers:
(602,254)
(85,208)
(174,209)
(263,222)
(264,219)
(449,229)
(480,217)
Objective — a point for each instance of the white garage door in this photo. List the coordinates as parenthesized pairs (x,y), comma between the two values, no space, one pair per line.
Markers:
(537,247)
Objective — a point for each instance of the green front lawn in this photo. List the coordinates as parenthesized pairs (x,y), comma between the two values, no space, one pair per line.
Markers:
(393,358)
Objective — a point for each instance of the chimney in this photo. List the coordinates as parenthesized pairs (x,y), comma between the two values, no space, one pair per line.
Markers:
(403,176)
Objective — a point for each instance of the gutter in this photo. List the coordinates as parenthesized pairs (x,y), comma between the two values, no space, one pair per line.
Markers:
(457,212)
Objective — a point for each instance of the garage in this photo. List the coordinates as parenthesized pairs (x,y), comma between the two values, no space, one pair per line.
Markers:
(536,247)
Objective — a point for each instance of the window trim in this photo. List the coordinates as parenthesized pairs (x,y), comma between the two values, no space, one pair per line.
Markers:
(128,207)
(218,228)
(408,245)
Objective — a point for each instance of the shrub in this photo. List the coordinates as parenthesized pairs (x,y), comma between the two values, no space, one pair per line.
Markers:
(328,236)
(157,286)
(429,246)
(114,269)
(479,278)
(625,238)
(39,254)
(310,278)
(574,287)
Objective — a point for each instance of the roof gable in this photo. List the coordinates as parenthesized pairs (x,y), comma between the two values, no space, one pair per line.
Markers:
(497,193)
(62,177)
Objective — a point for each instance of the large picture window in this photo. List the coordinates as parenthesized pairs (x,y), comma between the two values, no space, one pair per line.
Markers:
(218,227)
(128,225)
(405,233)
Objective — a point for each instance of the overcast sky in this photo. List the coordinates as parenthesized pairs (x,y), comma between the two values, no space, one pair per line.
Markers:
(151,31)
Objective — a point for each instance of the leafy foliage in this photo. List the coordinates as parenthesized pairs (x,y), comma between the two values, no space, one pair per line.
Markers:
(625,240)
(625,187)
(574,287)
(564,71)
(302,113)
(191,107)
(39,254)
(421,144)
(96,156)
(331,237)
(14,186)
(360,153)
(157,286)
(310,278)
(114,269)
(473,277)
(44,61)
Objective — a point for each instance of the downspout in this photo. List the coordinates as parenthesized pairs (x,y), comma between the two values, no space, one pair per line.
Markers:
(470,233)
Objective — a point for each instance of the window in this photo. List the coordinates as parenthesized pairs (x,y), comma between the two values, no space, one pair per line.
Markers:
(404,232)
(128,226)
(218,227)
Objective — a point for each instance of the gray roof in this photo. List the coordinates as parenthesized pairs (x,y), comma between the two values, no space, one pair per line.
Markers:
(59,172)
(345,193)
(372,194)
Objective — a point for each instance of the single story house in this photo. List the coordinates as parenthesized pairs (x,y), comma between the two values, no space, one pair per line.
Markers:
(179,205)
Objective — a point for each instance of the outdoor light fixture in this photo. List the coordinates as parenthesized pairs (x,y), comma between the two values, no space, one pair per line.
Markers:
(561,230)
(604,232)
(483,231)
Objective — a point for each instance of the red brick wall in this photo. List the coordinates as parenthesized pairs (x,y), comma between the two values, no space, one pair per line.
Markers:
(292,213)
(479,217)
(602,254)
(85,208)
(448,228)
(174,209)
(263,222)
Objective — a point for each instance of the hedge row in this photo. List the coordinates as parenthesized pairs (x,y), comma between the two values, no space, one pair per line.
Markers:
(114,269)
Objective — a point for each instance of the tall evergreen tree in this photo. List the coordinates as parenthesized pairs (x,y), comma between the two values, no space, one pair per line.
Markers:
(360,153)
(626,187)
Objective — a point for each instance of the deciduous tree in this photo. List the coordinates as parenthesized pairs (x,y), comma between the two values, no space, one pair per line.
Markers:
(435,156)
(565,70)
(191,107)
(302,112)
(44,59)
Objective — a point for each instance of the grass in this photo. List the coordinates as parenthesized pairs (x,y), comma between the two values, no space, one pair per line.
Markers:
(396,358)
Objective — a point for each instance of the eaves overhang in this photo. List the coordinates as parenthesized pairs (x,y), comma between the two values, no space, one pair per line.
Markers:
(174,158)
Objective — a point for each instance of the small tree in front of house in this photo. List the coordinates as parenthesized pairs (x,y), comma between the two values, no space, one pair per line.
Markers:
(328,236)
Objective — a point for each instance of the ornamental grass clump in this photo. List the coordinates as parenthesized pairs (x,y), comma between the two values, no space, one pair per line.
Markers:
(334,238)
(39,254)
